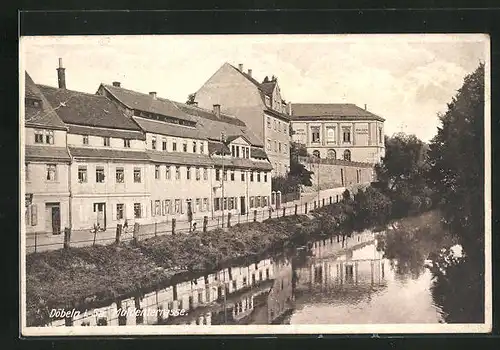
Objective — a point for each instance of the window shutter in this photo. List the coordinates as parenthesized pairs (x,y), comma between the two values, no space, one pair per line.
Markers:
(34,216)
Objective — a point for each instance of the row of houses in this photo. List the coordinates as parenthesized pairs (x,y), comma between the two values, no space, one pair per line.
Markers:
(121,156)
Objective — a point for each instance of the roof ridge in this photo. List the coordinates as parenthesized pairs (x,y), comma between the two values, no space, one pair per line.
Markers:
(79,92)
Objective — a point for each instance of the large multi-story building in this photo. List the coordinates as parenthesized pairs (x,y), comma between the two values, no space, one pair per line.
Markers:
(47,163)
(339,131)
(259,105)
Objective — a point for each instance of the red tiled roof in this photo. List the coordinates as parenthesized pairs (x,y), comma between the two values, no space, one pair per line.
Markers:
(46,153)
(331,110)
(80,108)
(44,116)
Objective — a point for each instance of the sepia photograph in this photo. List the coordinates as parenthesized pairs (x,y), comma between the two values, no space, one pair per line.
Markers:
(255,184)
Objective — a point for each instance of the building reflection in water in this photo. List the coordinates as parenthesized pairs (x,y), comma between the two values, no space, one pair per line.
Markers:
(260,293)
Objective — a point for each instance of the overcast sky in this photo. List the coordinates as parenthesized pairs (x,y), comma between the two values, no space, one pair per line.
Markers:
(407,79)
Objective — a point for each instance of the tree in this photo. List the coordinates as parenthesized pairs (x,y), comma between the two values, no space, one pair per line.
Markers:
(456,159)
(191,99)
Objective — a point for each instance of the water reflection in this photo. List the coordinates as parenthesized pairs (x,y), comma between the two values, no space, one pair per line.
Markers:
(335,280)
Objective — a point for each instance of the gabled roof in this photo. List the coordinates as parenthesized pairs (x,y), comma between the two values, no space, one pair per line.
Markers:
(331,110)
(168,129)
(231,138)
(144,102)
(81,108)
(268,87)
(44,116)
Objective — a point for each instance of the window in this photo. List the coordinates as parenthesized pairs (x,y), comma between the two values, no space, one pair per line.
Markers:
(232,175)
(346,135)
(268,144)
(177,206)
(316,153)
(153,142)
(99,174)
(85,139)
(263,201)
(217,174)
(225,203)
(315,134)
(177,173)
(157,208)
(157,172)
(242,176)
(347,155)
(380,139)
(119,211)
(279,147)
(137,175)
(164,144)
(252,202)
(49,137)
(269,122)
(205,204)
(275,125)
(167,206)
(275,146)
(198,175)
(251,176)
(167,172)
(174,146)
(106,141)
(233,151)
(285,148)
(231,203)
(205,174)
(27,172)
(38,136)
(137,210)
(126,143)
(257,201)
(120,175)
(194,147)
(225,175)
(285,128)
(202,147)
(188,173)
(265,176)
(330,134)
(268,101)
(216,204)
(331,154)
(184,146)
(258,176)
(82,174)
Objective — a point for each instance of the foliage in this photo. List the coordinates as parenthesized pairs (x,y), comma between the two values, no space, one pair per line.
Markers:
(285,184)
(191,99)
(371,207)
(297,176)
(456,161)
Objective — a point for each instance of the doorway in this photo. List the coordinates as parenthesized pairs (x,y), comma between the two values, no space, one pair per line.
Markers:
(100,214)
(53,215)
(243,208)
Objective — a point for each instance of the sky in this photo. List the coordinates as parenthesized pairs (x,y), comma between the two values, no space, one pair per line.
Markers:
(406,79)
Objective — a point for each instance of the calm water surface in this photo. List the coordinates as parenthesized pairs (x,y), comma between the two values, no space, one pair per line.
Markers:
(330,282)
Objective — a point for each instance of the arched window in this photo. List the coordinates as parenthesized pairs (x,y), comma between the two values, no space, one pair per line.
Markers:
(347,155)
(316,153)
(331,154)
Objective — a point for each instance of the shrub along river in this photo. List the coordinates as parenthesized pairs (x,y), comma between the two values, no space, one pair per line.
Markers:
(368,277)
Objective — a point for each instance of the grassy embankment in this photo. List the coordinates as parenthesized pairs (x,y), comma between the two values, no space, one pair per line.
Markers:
(89,277)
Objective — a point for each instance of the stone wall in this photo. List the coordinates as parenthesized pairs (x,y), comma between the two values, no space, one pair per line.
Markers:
(337,173)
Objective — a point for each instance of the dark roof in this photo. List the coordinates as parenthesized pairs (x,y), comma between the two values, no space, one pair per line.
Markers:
(243,163)
(43,116)
(94,153)
(87,109)
(117,133)
(144,102)
(45,153)
(206,114)
(331,110)
(165,128)
(277,114)
(217,147)
(268,87)
(180,158)
(258,153)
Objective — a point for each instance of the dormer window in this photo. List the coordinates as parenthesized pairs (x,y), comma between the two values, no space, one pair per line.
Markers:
(268,101)
(85,139)
(153,142)
(44,136)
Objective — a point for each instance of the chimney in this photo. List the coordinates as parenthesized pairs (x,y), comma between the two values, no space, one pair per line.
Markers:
(365,106)
(61,75)
(240,67)
(217,110)
(250,72)
(116,83)
(153,95)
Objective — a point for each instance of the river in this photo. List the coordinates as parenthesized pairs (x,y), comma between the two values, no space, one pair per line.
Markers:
(333,281)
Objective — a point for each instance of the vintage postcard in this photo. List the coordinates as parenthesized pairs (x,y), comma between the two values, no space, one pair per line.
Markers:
(255,184)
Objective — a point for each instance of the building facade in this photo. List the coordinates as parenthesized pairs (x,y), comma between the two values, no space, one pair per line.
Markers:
(259,105)
(339,131)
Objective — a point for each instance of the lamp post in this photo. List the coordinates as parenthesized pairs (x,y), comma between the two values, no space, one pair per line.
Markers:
(222,140)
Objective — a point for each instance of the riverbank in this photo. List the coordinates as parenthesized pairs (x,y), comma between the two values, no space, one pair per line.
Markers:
(89,277)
